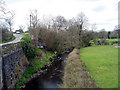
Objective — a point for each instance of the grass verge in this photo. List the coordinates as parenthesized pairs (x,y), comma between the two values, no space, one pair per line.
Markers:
(25,34)
(102,63)
(76,74)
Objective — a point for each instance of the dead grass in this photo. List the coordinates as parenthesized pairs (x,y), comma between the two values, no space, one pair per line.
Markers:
(76,74)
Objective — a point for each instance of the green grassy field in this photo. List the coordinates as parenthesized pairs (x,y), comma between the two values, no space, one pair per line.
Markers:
(25,34)
(102,63)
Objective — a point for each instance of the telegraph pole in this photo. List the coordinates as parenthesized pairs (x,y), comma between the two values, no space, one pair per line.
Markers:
(30,20)
(30,24)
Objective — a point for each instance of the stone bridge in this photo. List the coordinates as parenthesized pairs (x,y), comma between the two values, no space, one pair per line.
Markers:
(12,65)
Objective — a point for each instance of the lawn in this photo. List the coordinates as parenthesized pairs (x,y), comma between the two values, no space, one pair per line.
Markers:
(102,63)
(25,34)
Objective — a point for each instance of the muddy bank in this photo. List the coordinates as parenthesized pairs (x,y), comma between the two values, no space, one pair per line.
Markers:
(76,74)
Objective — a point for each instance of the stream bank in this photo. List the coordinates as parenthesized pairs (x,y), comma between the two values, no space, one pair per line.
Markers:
(76,74)
(50,76)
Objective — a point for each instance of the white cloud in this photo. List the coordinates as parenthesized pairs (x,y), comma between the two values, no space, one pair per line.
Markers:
(100,12)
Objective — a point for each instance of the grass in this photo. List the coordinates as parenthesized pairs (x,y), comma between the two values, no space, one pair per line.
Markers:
(25,34)
(34,66)
(112,40)
(8,40)
(102,63)
(76,74)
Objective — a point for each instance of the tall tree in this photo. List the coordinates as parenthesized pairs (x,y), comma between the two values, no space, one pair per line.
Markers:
(9,20)
(82,22)
(6,14)
(2,9)
(94,27)
(33,29)
(60,21)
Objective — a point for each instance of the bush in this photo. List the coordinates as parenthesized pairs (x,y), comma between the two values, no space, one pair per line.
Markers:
(87,37)
(114,42)
(52,40)
(91,42)
(6,35)
(28,48)
(102,42)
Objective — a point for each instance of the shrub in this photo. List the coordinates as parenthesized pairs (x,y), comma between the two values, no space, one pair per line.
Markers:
(91,42)
(52,40)
(102,42)
(28,48)
(6,35)
(114,42)
(87,36)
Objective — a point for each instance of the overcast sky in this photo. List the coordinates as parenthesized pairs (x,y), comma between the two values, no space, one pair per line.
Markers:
(102,12)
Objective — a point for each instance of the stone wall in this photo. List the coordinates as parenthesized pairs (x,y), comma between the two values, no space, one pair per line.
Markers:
(14,64)
(10,48)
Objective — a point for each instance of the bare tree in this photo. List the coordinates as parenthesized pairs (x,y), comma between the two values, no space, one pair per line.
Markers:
(2,9)
(102,34)
(6,15)
(60,22)
(33,29)
(54,24)
(34,18)
(21,27)
(94,27)
(82,23)
(9,20)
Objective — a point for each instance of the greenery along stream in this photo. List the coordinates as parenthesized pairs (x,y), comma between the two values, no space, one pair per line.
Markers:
(41,58)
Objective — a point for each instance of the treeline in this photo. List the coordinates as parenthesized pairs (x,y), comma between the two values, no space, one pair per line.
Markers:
(60,34)
(102,34)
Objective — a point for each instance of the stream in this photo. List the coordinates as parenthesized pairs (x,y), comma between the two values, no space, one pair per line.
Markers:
(52,78)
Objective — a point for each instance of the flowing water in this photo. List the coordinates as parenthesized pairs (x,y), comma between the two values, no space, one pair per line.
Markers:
(52,78)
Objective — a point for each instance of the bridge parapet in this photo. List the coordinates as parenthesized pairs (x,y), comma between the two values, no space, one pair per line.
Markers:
(10,48)
(13,65)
